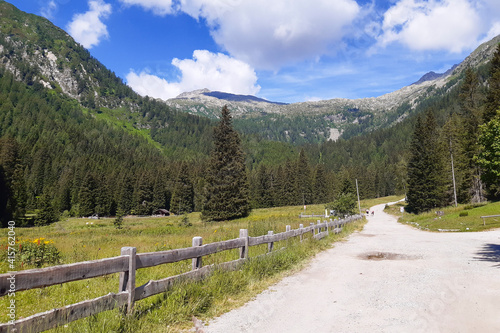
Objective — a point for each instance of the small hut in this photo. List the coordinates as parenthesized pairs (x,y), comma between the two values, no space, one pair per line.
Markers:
(161,212)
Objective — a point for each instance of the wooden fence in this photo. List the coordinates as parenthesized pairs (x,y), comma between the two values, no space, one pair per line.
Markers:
(127,263)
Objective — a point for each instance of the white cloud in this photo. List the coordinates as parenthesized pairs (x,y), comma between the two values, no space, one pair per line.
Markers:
(267,34)
(87,28)
(206,70)
(49,9)
(159,7)
(451,25)
(273,34)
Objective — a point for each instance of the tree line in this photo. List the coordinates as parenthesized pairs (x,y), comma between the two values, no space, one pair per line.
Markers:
(458,162)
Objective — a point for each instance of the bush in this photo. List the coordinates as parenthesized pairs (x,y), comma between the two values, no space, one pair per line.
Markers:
(462,214)
(118,222)
(185,222)
(38,253)
(344,205)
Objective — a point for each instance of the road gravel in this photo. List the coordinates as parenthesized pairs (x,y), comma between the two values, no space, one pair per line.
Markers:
(387,278)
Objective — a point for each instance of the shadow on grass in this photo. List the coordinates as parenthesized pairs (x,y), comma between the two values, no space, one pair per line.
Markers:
(490,252)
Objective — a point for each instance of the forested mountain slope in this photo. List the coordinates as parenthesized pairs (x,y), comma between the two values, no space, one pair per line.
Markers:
(315,122)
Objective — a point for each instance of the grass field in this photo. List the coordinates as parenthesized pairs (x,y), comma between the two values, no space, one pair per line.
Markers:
(79,239)
(462,218)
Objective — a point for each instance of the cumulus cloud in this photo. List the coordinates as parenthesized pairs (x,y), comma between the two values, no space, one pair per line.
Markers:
(267,34)
(159,7)
(87,28)
(49,9)
(205,70)
(452,25)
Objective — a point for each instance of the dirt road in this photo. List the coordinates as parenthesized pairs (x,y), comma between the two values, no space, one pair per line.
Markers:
(387,278)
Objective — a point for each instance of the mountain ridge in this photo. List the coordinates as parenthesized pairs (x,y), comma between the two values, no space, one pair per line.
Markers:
(341,114)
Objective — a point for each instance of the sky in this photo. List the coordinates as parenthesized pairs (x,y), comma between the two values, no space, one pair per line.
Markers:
(282,51)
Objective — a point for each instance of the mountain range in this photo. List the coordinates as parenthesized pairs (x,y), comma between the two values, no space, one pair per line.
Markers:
(339,113)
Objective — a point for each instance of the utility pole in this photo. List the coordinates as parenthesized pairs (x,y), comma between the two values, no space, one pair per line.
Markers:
(357,191)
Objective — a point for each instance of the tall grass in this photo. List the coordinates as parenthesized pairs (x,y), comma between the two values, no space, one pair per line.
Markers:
(462,218)
(84,239)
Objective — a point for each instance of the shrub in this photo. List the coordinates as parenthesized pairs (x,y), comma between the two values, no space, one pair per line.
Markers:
(38,253)
(118,222)
(462,214)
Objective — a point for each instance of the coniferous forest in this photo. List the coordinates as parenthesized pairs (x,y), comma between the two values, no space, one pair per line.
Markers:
(108,151)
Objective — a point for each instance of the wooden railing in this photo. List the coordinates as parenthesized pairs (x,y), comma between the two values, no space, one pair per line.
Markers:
(127,263)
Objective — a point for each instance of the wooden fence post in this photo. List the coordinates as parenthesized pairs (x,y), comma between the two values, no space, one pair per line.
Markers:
(319,228)
(270,245)
(301,226)
(127,278)
(244,249)
(196,262)
(312,225)
(326,223)
(288,228)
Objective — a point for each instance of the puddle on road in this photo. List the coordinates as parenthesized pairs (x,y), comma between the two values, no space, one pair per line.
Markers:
(386,256)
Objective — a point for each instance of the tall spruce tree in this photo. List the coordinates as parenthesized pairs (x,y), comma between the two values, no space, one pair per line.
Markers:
(454,137)
(320,186)
(87,196)
(263,188)
(493,96)
(304,179)
(469,100)
(489,157)
(426,175)
(183,195)
(290,191)
(226,188)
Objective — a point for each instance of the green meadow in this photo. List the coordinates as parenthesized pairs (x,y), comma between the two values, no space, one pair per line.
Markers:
(80,239)
(464,218)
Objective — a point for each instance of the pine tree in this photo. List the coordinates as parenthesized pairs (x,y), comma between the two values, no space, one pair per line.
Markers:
(87,196)
(454,139)
(125,196)
(489,157)
(471,119)
(426,182)
(263,188)
(290,191)
(5,215)
(493,97)
(226,188)
(159,193)
(304,179)
(183,195)
(143,195)
(46,214)
(278,187)
(320,185)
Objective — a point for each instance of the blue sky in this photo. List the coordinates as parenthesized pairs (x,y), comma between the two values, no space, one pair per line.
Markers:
(285,51)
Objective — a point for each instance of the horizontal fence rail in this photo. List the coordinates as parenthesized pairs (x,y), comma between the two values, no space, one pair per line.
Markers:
(128,262)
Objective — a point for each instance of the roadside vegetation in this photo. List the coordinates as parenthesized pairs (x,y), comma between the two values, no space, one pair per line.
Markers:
(466,217)
(80,239)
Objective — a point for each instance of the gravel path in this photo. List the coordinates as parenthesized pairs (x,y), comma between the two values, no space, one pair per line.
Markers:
(387,278)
